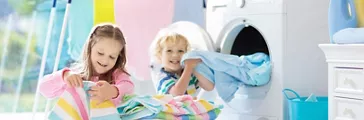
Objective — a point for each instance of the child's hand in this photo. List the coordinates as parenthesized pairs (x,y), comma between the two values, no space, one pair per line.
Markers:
(73,80)
(103,91)
(192,62)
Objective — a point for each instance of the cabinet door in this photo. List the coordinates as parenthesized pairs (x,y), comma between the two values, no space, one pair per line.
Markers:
(347,109)
(349,80)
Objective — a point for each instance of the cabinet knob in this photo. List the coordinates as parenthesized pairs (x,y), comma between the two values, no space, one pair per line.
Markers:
(349,112)
(350,82)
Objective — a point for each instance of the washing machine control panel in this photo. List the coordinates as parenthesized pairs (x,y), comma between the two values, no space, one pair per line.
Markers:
(241,3)
(255,6)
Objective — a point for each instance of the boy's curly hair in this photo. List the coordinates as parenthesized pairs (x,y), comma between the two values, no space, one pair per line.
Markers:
(166,37)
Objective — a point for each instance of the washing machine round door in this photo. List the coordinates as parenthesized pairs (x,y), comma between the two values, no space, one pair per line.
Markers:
(239,37)
(197,36)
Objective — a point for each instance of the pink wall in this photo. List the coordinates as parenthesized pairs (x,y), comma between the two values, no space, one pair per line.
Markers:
(140,20)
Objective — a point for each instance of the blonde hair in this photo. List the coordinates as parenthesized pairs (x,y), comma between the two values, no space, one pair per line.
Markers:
(167,37)
(99,32)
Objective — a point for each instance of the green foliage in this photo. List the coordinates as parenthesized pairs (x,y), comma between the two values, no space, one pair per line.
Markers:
(15,53)
(24,7)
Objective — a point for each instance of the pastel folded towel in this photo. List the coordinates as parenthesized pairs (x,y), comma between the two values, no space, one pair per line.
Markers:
(75,104)
(168,107)
(349,36)
(229,72)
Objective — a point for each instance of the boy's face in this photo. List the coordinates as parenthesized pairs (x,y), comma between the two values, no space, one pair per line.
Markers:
(171,55)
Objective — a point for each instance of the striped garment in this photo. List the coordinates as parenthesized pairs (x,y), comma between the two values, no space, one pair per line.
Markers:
(204,116)
(74,104)
(168,80)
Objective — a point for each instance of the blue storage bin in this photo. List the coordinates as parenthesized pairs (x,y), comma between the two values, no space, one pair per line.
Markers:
(301,110)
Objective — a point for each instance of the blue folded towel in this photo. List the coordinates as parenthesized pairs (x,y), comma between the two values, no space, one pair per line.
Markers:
(228,72)
(349,36)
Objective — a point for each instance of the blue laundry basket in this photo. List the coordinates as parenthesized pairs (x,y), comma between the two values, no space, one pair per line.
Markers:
(301,110)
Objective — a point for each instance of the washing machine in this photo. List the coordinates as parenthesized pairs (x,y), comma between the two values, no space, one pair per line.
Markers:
(287,30)
(241,27)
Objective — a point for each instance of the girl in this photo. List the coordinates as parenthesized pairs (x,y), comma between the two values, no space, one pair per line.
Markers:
(103,61)
(173,78)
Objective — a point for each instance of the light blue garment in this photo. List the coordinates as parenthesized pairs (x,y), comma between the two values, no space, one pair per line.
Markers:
(228,72)
(349,36)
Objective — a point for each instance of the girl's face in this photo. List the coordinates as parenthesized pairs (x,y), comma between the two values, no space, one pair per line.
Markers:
(171,56)
(104,54)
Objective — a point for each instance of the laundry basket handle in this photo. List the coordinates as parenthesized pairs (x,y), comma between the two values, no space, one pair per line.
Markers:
(289,90)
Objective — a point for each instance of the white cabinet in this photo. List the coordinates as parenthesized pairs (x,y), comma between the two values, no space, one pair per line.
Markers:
(346,80)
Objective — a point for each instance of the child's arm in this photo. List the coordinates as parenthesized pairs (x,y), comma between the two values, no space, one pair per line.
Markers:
(181,85)
(124,86)
(168,85)
(53,85)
